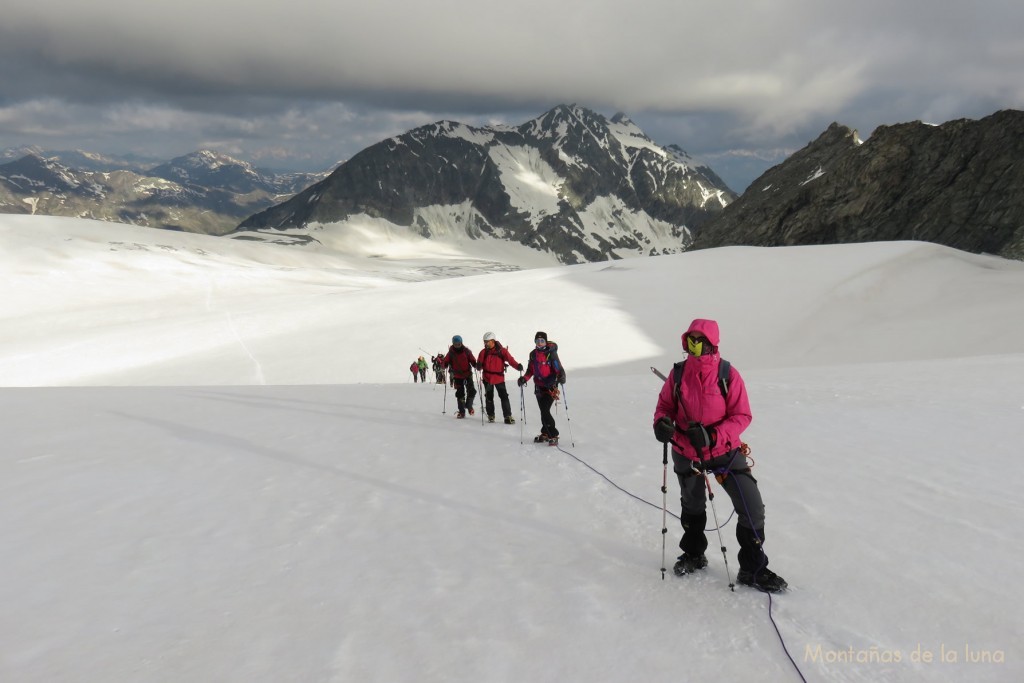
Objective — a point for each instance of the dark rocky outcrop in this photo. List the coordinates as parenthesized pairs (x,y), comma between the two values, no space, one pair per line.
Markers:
(960,184)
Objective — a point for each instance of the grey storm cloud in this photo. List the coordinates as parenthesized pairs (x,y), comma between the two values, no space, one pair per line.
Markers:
(738,75)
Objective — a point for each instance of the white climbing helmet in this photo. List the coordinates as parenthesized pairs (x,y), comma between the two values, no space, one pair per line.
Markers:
(488,336)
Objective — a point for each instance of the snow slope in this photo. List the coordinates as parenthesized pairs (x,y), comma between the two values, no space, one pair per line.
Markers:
(102,304)
(339,525)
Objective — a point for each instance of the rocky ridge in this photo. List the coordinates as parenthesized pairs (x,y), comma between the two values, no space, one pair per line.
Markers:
(960,184)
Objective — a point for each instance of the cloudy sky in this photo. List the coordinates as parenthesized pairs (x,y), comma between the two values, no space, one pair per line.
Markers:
(306,83)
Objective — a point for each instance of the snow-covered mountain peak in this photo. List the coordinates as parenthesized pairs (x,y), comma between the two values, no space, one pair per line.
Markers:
(33,170)
(209,160)
(569,182)
(448,129)
(564,120)
(14,153)
(94,156)
(207,168)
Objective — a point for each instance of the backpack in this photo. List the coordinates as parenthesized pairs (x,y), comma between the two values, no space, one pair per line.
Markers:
(723,385)
(552,361)
(723,377)
(498,351)
(454,353)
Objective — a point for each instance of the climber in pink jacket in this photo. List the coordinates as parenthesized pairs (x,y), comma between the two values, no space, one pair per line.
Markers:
(702,400)
(702,411)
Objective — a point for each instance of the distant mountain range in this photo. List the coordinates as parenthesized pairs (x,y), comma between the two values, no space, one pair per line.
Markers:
(960,184)
(201,192)
(570,182)
(81,160)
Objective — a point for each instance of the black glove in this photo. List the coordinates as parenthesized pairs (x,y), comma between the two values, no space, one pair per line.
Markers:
(700,436)
(664,430)
(519,367)
(521,381)
(561,378)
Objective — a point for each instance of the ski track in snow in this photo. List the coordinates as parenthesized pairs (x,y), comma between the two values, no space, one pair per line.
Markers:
(229,321)
(259,377)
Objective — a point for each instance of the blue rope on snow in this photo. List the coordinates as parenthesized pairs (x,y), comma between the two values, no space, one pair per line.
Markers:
(631,495)
(771,617)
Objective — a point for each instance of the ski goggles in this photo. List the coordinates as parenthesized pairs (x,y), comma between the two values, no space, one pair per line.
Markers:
(697,346)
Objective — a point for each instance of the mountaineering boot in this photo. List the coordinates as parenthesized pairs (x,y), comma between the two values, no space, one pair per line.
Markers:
(765,580)
(754,570)
(460,415)
(490,418)
(471,411)
(510,420)
(688,564)
(552,440)
(541,438)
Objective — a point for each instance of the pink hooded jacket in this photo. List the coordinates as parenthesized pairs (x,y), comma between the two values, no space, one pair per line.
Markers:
(701,399)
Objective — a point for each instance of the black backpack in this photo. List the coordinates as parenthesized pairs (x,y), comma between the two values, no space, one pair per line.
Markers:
(723,377)
(723,385)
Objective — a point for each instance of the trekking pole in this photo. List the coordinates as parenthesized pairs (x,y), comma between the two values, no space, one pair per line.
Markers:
(664,504)
(480,386)
(522,398)
(568,422)
(522,409)
(444,404)
(711,497)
